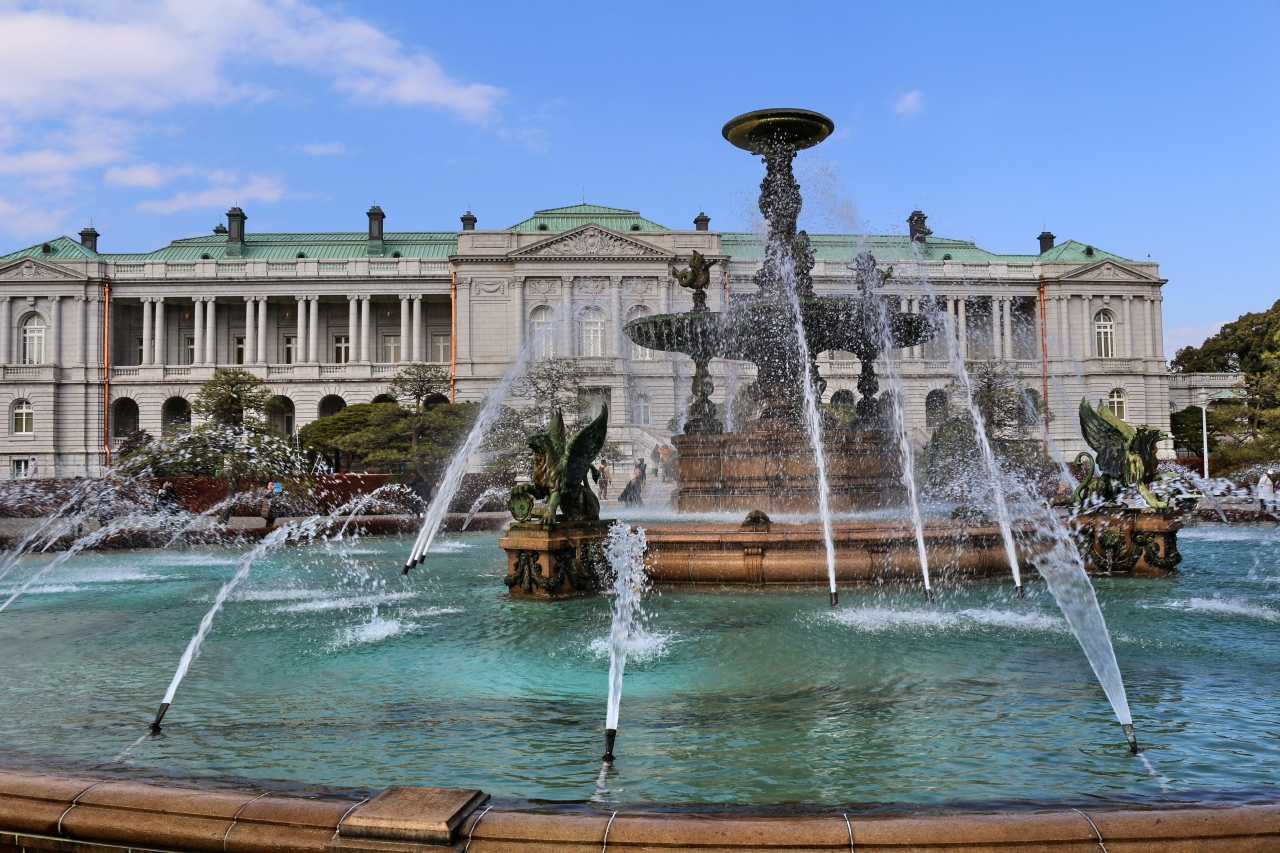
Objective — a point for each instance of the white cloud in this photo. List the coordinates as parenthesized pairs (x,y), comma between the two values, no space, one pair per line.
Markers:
(22,220)
(1189,336)
(323,149)
(84,143)
(256,188)
(150,55)
(910,104)
(141,175)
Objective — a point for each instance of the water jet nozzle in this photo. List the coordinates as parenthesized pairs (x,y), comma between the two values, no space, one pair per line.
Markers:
(155,726)
(1130,736)
(928,594)
(610,735)
(1021,594)
(835,598)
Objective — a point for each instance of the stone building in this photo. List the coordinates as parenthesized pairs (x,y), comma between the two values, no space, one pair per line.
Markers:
(94,345)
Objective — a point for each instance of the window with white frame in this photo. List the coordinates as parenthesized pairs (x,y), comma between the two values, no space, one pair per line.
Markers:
(341,349)
(290,349)
(441,348)
(637,352)
(33,340)
(1104,335)
(642,410)
(238,343)
(20,468)
(390,349)
(542,327)
(591,333)
(1116,403)
(24,417)
(189,349)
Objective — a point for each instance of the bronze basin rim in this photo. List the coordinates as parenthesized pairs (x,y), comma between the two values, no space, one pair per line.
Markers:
(799,128)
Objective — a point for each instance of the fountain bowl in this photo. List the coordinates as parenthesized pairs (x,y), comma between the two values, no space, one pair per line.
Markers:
(754,131)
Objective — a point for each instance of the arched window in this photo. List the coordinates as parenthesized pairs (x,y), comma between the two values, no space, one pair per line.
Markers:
(591,333)
(175,411)
(935,408)
(125,420)
(542,328)
(1115,402)
(331,405)
(642,412)
(24,417)
(637,352)
(1104,335)
(843,397)
(33,340)
(280,414)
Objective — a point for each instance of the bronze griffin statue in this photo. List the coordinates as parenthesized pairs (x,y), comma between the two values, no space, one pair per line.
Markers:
(1125,456)
(560,469)
(697,278)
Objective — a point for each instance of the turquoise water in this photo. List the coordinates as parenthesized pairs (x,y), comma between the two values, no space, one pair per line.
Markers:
(326,667)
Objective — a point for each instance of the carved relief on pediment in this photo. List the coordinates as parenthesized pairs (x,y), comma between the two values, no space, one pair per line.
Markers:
(30,270)
(489,287)
(542,286)
(1107,271)
(639,286)
(591,286)
(590,241)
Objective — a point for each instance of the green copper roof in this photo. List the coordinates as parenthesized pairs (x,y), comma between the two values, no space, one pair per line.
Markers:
(896,247)
(61,249)
(577,215)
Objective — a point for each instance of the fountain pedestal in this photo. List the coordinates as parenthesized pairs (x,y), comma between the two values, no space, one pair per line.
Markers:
(773,469)
(1128,540)
(564,560)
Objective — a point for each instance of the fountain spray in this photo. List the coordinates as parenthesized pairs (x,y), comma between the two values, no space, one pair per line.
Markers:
(625,550)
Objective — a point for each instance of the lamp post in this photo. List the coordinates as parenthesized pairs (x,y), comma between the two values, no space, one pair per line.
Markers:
(1204,429)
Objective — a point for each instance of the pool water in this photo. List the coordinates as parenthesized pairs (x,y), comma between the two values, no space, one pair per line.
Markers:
(328,668)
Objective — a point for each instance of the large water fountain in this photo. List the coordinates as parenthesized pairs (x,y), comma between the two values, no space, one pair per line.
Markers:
(301,658)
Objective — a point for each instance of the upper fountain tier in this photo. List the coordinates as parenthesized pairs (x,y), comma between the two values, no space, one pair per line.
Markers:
(759,130)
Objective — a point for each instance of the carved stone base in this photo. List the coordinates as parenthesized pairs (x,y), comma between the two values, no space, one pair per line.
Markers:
(565,560)
(1126,540)
(773,470)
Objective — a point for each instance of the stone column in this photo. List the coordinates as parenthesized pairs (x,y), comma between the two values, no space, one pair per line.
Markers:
(615,309)
(262,330)
(197,357)
(159,331)
(250,334)
(419,334)
(404,328)
(313,329)
(353,328)
(1086,315)
(1064,326)
(517,305)
(147,351)
(300,338)
(211,331)
(963,328)
(664,295)
(1006,308)
(568,350)
(1126,337)
(365,327)
(997,344)
(1157,327)
(6,350)
(82,324)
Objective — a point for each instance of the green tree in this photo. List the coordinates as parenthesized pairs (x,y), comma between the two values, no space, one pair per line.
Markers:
(327,437)
(231,396)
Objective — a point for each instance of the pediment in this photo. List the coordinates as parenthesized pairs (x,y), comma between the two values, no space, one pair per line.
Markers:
(590,241)
(29,269)
(1108,270)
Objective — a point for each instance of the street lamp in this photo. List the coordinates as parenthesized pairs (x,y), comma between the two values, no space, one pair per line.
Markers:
(1204,429)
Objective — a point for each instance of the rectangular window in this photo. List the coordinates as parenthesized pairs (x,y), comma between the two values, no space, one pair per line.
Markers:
(239,344)
(138,350)
(390,349)
(290,349)
(441,349)
(341,349)
(593,338)
(189,349)
(19,468)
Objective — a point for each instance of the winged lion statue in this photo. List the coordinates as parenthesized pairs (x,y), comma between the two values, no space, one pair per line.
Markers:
(1124,456)
(560,469)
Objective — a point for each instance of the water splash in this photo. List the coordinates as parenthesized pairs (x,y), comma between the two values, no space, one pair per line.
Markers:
(485,496)
(625,550)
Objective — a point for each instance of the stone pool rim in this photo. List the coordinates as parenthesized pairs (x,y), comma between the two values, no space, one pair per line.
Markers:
(87,812)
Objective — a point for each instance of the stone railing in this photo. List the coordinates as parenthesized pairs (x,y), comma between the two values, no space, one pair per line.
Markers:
(299,268)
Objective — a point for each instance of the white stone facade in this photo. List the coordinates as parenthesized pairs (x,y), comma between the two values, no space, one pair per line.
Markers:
(329,318)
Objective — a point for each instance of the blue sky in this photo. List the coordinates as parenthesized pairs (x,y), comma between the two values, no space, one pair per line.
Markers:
(1140,128)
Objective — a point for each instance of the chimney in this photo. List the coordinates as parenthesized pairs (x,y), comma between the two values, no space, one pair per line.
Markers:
(220,229)
(915,222)
(468,222)
(89,239)
(376,216)
(702,222)
(235,232)
(1046,241)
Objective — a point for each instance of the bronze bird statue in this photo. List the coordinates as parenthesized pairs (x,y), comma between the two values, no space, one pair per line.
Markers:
(560,469)
(1124,456)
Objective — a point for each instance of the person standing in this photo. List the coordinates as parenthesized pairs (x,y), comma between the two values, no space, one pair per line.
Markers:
(604,481)
(1266,490)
